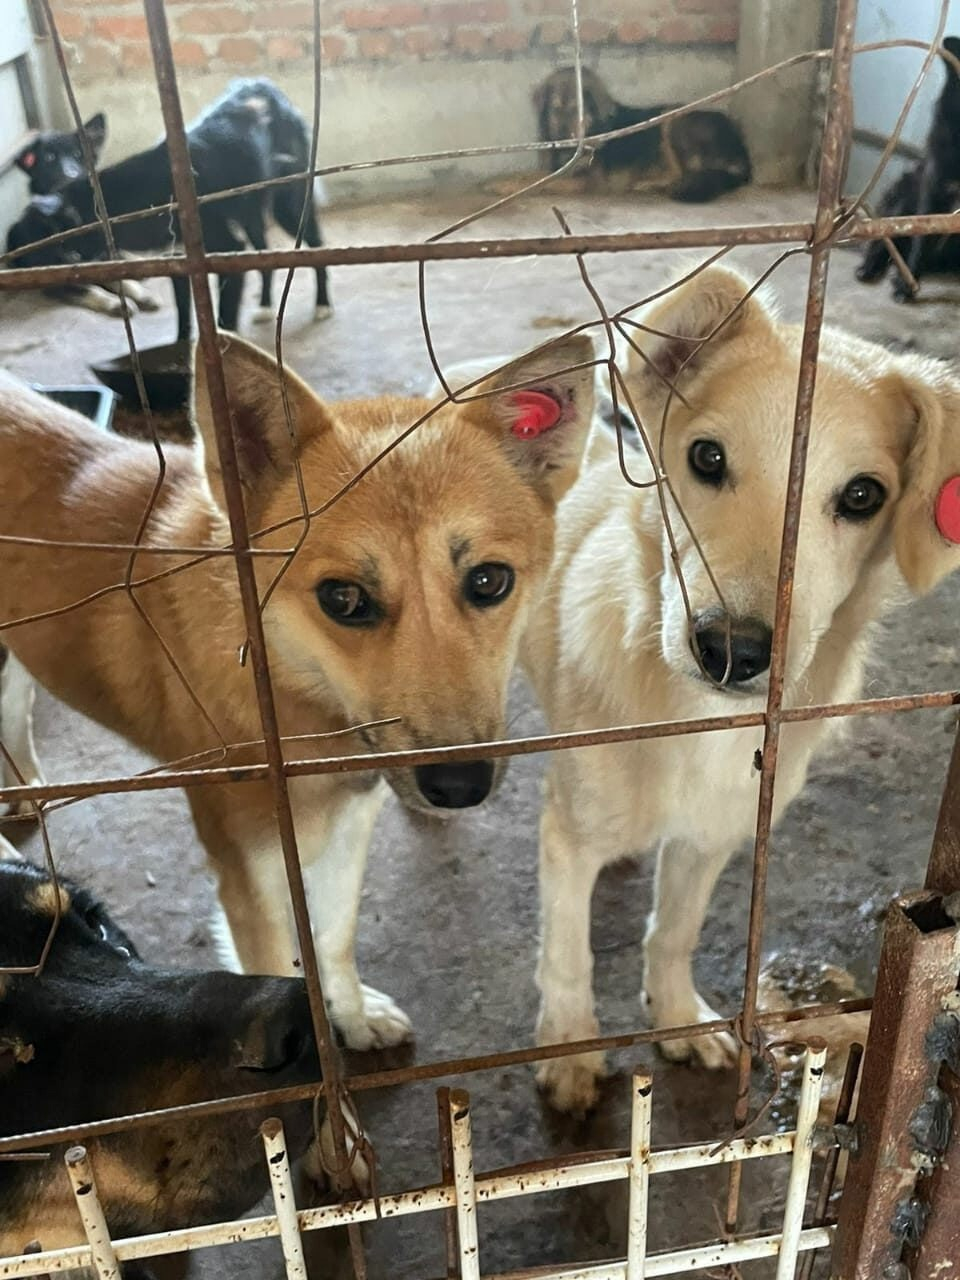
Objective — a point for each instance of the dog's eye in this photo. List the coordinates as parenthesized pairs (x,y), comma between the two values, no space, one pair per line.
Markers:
(708,462)
(861,498)
(347,603)
(488,584)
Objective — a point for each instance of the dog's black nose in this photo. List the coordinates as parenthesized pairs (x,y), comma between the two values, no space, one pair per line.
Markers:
(455,786)
(749,648)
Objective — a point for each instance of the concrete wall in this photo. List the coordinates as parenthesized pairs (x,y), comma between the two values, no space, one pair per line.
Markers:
(399,78)
(882,80)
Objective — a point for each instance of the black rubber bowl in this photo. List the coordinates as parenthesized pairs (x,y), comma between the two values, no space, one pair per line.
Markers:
(166,376)
(95,403)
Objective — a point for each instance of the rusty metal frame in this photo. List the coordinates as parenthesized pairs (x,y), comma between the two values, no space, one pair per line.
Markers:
(833,224)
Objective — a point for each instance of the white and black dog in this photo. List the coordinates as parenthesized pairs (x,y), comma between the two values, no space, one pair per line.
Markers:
(251,134)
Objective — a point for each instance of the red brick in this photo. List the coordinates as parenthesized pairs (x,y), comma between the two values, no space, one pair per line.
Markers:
(334,48)
(470,11)
(285,48)
(724,30)
(121,27)
(594,32)
(422,42)
(680,31)
(135,55)
(726,7)
(71,26)
(376,44)
(553,31)
(189,53)
(634,32)
(508,40)
(469,40)
(239,49)
(92,59)
(219,19)
(287,17)
(385,18)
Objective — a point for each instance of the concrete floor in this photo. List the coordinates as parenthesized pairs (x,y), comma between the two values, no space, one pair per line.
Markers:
(448,921)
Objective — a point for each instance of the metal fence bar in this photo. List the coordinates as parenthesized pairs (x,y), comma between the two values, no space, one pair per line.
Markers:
(639,1176)
(101,1253)
(284,1199)
(832,169)
(808,1109)
(464,1185)
(191,233)
(221,775)
(465,250)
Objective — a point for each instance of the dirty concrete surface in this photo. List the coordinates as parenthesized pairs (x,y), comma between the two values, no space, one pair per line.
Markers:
(449,915)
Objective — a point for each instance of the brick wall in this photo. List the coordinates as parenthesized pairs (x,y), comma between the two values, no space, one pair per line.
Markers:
(108,37)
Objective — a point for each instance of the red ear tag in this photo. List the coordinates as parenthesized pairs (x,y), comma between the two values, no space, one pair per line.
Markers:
(947,509)
(29,160)
(538,413)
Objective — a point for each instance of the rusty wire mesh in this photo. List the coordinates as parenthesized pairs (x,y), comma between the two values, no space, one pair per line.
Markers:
(836,221)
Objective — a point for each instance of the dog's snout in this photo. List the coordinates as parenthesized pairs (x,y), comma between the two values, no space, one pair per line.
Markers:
(277,1032)
(455,786)
(749,650)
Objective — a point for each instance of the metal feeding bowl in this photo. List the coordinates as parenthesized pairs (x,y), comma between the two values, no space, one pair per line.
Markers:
(166,376)
(95,403)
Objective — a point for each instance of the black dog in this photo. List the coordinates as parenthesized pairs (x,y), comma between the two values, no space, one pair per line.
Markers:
(696,157)
(101,1034)
(251,134)
(53,159)
(932,186)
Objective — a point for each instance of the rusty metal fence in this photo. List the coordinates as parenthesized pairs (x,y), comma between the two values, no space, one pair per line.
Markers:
(898,1073)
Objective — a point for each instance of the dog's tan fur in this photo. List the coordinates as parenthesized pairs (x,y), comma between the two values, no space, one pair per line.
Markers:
(462,490)
(610,644)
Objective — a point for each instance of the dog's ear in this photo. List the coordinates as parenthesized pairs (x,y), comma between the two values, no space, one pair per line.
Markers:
(926,523)
(540,411)
(27,158)
(711,303)
(96,131)
(265,450)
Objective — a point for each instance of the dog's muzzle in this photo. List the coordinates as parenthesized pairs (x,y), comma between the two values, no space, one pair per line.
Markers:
(455,786)
(749,647)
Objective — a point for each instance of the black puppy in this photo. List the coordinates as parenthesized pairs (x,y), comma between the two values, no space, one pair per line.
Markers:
(53,158)
(99,1034)
(247,136)
(932,186)
(51,161)
(696,157)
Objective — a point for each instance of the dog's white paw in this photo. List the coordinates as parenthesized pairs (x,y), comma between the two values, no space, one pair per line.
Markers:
(323,312)
(716,1051)
(380,1025)
(572,1084)
(263,315)
(147,302)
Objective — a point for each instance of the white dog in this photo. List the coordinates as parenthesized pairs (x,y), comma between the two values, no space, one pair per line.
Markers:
(612,643)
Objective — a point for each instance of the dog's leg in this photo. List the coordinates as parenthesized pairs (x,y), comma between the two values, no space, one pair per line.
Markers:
(264,311)
(913,255)
(16,726)
(141,297)
(333,872)
(96,298)
(686,874)
(568,872)
(287,207)
(181,296)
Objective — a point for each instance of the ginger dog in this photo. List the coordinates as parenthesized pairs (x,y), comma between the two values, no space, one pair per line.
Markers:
(407,599)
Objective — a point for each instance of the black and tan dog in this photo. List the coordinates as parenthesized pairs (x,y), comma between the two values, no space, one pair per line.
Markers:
(931,186)
(695,157)
(99,1034)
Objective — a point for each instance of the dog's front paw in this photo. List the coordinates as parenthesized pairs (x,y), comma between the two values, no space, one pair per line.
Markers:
(323,312)
(716,1051)
(263,315)
(379,1025)
(147,302)
(572,1084)
(902,291)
